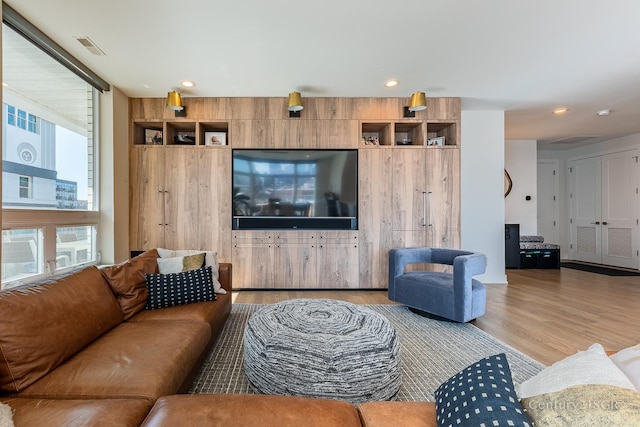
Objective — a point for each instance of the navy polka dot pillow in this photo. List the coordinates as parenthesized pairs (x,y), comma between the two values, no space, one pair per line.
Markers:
(168,290)
(480,395)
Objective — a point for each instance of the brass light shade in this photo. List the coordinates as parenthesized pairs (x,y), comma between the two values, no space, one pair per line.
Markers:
(174,101)
(418,102)
(295,102)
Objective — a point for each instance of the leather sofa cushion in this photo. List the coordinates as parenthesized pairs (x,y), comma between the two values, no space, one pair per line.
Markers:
(214,313)
(409,414)
(78,413)
(127,280)
(43,325)
(134,360)
(250,410)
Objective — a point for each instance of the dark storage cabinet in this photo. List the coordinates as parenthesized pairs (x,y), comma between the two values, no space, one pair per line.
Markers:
(540,258)
(512,246)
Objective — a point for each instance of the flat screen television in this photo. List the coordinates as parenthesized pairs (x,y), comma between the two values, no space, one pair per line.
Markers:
(295,189)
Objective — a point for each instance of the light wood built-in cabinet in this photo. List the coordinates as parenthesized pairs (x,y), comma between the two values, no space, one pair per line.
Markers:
(296,259)
(408,194)
(178,200)
(425,184)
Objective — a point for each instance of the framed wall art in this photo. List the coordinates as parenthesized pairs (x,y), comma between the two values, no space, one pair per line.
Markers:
(153,137)
(215,138)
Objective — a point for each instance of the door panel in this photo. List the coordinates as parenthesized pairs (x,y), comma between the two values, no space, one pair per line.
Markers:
(442,184)
(586,209)
(619,209)
(410,197)
(548,202)
(181,180)
(146,198)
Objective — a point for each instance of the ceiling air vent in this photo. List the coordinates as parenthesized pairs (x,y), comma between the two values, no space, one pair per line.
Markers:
(90,45)
(574,139)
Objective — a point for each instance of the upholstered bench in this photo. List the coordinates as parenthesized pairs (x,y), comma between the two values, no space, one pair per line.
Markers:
(322,348)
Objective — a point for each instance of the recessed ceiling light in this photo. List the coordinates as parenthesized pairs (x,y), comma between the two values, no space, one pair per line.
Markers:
(604,112)
(187,83)
(391,83)
(560,110)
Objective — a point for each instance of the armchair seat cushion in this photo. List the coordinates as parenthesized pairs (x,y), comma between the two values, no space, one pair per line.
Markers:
(442,282)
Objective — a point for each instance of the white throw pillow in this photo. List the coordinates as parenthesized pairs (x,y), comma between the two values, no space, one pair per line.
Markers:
(211,260)
(592,366)
(179,264)
(628,361)
(6,416)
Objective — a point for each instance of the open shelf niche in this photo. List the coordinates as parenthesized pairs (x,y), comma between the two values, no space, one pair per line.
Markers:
(442,134)
(180,133)
(144,133)
(221,134)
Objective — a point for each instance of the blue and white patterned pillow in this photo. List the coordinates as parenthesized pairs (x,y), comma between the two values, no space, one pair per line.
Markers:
(480,395)
(168,290)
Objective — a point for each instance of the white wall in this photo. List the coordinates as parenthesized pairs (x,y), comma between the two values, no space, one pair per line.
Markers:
(114,177)
(482,189)
(520,160)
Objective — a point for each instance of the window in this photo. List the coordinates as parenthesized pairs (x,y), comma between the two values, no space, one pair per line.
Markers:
(50,112)
(22,255)
(11,115)
(22,119)
(49,170)
(75,246)
(32,125)
(25,187)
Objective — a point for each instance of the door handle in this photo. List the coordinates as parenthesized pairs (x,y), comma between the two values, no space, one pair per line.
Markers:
(596,223)
(424,208)
(604,223)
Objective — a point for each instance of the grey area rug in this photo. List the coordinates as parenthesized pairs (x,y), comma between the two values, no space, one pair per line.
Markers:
(430,350)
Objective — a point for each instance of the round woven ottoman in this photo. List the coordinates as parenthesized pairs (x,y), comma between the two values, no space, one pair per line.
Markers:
(322,348)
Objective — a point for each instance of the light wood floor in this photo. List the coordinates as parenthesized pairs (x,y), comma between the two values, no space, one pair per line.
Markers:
(546,314)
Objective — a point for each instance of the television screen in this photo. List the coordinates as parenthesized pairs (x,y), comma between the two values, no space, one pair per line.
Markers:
(281,188)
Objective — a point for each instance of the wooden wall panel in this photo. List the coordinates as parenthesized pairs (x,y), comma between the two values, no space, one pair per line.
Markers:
(374,215)
(214,202)
(293,133)
(336,133)
(315,108)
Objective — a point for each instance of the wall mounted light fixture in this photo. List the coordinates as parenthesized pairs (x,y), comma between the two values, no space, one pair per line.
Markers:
(295,104)
(174,102)
(417,102)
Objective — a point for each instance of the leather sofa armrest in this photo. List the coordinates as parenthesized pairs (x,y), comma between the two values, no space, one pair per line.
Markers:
(225,278)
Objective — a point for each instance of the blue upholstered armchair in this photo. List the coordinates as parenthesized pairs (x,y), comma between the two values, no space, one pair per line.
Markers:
(455,296)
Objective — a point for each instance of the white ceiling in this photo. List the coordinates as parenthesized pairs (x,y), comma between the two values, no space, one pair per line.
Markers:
(525,57)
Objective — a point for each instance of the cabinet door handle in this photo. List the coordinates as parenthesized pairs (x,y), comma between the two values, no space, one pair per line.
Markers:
(604,223)
(430,223)
(596,223)
(424,208)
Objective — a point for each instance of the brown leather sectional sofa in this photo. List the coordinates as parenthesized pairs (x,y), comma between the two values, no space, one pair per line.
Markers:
(82,351)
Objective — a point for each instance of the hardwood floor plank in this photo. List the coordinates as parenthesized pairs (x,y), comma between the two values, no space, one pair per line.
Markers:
(546,314)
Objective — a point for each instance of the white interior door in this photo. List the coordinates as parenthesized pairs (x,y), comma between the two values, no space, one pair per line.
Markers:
(604,209)
(586,204)
(548,208)
(620,209)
